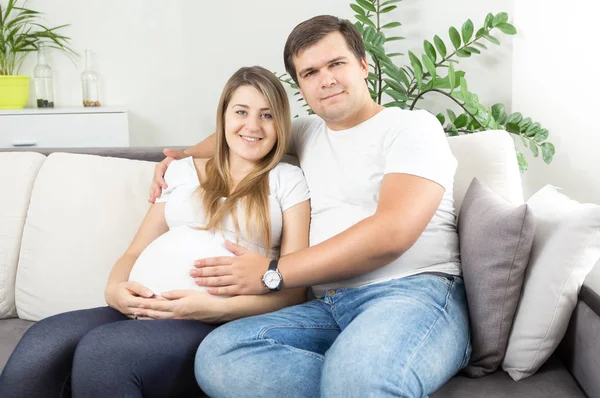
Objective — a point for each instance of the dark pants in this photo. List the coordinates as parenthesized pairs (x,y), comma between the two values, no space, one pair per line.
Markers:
(99,352)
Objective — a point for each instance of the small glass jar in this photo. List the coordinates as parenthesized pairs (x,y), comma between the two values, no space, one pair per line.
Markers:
(89,82)
(43,81)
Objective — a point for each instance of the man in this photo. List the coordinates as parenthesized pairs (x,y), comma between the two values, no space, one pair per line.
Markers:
(390,315)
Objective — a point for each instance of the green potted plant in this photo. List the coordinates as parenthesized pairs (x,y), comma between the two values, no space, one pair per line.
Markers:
(21,32)
(393,84)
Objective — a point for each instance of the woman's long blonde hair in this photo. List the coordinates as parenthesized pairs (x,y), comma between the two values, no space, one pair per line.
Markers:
(254,189)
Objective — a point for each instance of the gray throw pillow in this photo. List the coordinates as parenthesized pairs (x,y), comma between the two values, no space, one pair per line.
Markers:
(495,242)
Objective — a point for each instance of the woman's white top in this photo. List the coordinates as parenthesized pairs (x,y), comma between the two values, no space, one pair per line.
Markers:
(166,262)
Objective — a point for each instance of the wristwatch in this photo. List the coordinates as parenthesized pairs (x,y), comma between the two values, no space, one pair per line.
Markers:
(272,278)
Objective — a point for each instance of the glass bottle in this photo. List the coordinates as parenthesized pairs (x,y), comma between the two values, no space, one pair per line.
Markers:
(89,82)
(42,77)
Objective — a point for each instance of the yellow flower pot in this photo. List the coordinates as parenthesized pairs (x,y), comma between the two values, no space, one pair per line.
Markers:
(14,91)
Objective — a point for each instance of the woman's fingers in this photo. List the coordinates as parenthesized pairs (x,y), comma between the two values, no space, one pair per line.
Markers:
(152,314)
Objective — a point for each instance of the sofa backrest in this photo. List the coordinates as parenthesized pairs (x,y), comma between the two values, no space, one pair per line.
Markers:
(84,211)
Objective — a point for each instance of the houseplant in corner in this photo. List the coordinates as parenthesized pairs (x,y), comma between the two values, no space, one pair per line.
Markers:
(22,32)
(395,84)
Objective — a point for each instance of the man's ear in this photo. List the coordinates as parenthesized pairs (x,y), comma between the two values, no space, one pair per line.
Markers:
(364,65)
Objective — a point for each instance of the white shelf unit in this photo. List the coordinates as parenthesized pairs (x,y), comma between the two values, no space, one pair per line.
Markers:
(64,127)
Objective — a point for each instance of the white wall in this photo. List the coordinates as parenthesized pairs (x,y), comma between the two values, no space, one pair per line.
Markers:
(555,83)
(167,61)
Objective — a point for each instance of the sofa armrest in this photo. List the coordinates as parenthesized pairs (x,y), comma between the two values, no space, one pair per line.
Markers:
(580,348)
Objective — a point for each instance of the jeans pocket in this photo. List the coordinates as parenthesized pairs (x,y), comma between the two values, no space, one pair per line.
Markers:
(445,278)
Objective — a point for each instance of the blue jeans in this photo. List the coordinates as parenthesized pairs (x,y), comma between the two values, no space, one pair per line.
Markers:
(402,338)
(99,352)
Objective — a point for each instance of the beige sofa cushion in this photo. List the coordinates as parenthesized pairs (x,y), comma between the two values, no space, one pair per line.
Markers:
(17,174)
(490,156)
(83,214)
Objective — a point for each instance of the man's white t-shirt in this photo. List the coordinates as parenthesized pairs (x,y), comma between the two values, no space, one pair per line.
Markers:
(344,171)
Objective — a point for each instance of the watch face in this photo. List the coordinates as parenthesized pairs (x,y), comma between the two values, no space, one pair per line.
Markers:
(272,279)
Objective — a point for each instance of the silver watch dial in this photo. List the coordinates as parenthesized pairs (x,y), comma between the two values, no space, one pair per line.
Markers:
(272,279)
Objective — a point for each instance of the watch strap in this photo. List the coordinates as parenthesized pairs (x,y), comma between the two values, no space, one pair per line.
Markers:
(273,265)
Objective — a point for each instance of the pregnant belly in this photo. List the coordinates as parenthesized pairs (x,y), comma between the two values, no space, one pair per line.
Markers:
(165,264)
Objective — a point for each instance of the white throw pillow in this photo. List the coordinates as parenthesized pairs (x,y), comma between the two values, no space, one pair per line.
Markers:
(565,248)
(17,174)
(490,156)
(83,214)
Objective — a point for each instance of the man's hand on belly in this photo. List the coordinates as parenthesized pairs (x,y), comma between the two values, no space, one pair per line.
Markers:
(231,276)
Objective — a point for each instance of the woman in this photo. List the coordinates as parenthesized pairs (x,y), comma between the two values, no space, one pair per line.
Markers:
(243,194)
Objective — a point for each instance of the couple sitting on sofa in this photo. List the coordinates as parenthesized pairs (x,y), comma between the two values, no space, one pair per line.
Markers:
(390,314)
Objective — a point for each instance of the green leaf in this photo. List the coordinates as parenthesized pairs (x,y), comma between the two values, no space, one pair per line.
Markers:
(397,87)
(541,135)
(387,9)
(451,115)
(394,38)
(534,149)
(430,50)
(464,89)
(501,17)
(480,45)
(507,28)
(472,50)
(391,25)
(357,9)
(497,111)
(525,123)
(394,54)
(489,19)
(419,75)
(441,47)
(492,39)
(463,53)
(385,3)
(429,65)
(467,31)
(367,5)
(515,118)
(523,165)
(398,96)
(454,37)
(441,118)
(461,121)
(451,77)
(532,129)
(396,104)
(369,34)
(513,128)
(365,20)
(414,60)
(547,152)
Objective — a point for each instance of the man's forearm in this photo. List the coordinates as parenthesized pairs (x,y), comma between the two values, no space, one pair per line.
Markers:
(366,246)
(204,149)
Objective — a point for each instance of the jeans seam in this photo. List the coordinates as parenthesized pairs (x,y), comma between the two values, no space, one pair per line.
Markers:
(297,350)
(412,356)
(263,331)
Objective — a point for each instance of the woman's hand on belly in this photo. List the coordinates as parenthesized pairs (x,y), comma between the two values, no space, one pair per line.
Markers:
(127,297)
(184,304)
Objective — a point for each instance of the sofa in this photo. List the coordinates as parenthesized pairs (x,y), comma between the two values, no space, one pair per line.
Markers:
(66,214)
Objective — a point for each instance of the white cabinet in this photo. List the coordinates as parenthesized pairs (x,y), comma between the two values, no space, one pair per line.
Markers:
(64,127)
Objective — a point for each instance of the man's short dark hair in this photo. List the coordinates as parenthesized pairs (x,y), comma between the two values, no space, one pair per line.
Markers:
(312,30)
